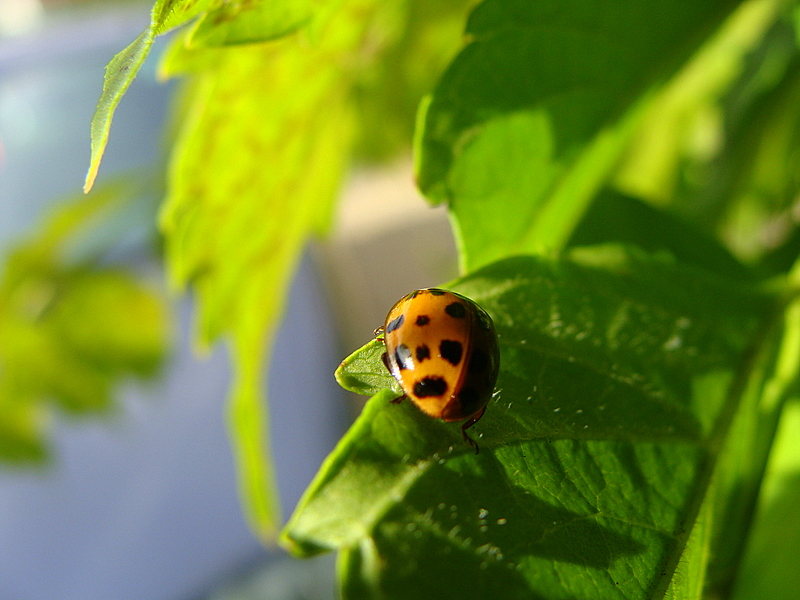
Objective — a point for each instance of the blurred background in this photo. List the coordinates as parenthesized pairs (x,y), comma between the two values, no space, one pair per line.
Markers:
(125,487)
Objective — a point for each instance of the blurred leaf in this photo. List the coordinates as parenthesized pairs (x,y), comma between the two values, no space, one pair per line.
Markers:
(614,217)
(112,321)
(69,330)
(744,458)
(410,45)
(254,172)
(534,113)
(719,145)
(684,121)
(21,425)
(759,212)
(770,565)
(268,131)
(621,376)
(253,21)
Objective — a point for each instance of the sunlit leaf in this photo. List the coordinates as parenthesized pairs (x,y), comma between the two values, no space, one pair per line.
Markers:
(410,46)
(685,120)
(254,21)
(357,372)
(534,113)
(267,132)
(255,171)
(123,68)
(744,458)
(768,569)
(688,581)
(621,377)
(120,72)
(755,210)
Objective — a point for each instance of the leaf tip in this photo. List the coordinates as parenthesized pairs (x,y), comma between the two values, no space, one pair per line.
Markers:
(91,176)
(298,547)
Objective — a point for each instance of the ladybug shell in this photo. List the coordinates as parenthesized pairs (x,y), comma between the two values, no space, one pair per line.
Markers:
(442,348)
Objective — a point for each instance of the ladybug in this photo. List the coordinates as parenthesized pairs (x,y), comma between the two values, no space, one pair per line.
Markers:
(442,349)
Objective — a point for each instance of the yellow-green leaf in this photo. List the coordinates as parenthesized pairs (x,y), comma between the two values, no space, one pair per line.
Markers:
(248,22)
(254,172)
(123,68)
(70,329)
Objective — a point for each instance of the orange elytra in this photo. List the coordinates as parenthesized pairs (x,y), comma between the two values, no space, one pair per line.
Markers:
(442,349)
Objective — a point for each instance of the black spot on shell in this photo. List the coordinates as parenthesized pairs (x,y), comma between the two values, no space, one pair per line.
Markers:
(484,320)
(456,310)
(423,352)
(478,362)
(430,386)
(451,351)
(437,292)
(402,356)
(423,320)
(395,324)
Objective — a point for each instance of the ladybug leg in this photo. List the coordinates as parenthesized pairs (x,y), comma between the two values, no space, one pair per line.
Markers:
(398,400)
(378,333)
(470,422)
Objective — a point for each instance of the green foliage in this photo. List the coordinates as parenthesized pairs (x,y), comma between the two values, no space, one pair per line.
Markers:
(122,70)
(769,569)
(266,132)
(416,41)
(247,22)
(563,85)
(622,179)
(641,384)
(71,329)
(621,378)
(240,255)
(718,145)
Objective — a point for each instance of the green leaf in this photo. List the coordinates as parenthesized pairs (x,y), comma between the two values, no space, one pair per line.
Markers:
(744,459)
(357,372)
(120,72)
(267,134)
(769,568)
(534,113)
(112,322)
(71,330)
(755,208)
(688,582)
(21,430)
(620,377)
(411,44)
(614,217)
(123,68)
(684,123)
(719,144)
(254,173)
(254,21)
